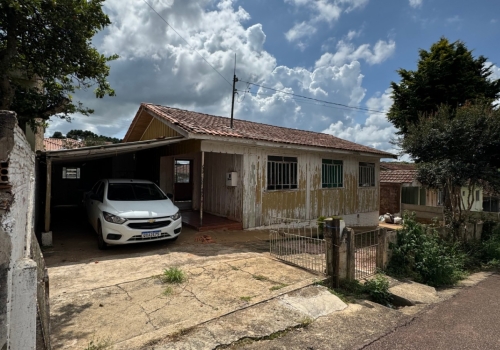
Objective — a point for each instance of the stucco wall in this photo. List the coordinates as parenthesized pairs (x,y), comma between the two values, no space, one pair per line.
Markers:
(17,270)
(359,206)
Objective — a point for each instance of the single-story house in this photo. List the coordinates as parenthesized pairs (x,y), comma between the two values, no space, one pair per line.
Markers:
(53,144)
(400,191)
(248,174)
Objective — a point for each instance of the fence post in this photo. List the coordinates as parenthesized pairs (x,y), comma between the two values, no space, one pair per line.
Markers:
(328,236)
(382,248)
(351,255)
(335,231)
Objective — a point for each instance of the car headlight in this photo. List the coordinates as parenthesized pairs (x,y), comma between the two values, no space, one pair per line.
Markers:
(176,216)
(113,218)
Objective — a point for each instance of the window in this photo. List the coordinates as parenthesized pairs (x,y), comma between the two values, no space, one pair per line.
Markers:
(366,174)
(332,173)
(281,173)
(70,173)
(182,171)
(440,197)
(477,195)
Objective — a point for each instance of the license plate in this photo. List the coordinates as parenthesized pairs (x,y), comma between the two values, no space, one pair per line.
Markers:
(147,234)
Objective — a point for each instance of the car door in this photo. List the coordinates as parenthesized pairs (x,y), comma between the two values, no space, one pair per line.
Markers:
(87,200)
(95,200)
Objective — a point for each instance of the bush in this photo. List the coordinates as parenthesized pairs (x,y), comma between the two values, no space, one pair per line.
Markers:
(378,290)
(173,275)
(485,252)
(421,254)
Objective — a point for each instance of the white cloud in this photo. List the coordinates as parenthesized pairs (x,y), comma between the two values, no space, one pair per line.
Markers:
(353,34)
(495,70)
(376,131)
(454,19)
(415,3)
(321,11)
(157,66)
(347,52)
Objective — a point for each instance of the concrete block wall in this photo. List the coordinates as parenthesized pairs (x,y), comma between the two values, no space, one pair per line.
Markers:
(17,270)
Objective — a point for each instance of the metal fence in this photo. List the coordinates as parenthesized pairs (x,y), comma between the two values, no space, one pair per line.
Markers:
(42,291)
(298,242)
(365,253)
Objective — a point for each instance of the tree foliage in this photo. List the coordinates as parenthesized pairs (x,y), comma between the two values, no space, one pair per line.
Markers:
(57,135)
(90,138)
(449,75)
(457,151)
(46,54)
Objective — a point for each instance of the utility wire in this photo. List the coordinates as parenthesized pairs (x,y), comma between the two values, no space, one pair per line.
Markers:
(315,99)
(191,47)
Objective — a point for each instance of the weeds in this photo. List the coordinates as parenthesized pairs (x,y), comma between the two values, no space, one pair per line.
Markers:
(260,278)
(247,299)
(168,291)
(378,290)
(173,275)
(99,344)
(279,286)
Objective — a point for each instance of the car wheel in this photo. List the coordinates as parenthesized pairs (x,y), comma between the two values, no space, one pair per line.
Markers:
(100,240)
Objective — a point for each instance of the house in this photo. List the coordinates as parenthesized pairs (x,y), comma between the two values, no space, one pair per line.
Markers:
(246,175)
(400,191)
(53,144)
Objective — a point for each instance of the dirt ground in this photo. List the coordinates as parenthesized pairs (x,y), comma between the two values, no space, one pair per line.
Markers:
(113,294)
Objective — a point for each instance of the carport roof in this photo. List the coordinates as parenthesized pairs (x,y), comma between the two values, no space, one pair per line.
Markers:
(102,151)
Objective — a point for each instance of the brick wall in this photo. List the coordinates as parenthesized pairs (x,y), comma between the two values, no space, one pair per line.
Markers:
(17,270)
(390,198)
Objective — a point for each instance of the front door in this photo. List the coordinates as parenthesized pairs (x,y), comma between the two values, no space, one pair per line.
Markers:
(183,180)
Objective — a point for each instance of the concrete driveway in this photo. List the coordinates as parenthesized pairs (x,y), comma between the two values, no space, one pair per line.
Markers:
(114,295)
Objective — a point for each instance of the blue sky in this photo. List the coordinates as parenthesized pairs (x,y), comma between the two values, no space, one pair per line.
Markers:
(343,51)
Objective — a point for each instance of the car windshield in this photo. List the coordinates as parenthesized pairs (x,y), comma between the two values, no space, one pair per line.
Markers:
(134,192)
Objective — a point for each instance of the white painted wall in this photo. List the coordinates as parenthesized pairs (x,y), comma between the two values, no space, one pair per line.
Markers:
(477,205)
(18,300)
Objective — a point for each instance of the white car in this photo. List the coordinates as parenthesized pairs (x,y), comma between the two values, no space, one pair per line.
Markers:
(131,211)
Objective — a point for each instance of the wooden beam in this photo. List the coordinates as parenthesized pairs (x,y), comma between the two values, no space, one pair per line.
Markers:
(48,192)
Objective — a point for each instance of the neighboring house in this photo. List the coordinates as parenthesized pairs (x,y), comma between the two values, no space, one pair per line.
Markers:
(255,172)
(400,191)
(53,144)
(491,202)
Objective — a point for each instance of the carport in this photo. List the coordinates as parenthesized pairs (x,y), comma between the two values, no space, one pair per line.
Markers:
(68,173)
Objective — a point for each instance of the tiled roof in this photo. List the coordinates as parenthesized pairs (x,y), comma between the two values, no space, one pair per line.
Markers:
(52,144)
(396,166)
(398,176)
(205,124)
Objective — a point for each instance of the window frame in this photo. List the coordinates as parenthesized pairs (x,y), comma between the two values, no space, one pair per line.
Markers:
(364,169)
(333,169)
(279,167)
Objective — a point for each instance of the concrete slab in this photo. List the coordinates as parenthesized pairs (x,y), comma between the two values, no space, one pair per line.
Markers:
(414,293)
(313,302)
(120,300)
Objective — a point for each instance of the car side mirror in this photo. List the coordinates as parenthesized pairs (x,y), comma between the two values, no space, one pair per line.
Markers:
(170,196)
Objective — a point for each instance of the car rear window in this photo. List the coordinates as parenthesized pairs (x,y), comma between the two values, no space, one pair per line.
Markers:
(134,192)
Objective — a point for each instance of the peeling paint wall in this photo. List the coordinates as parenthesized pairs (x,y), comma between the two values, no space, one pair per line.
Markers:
(358,205)
(17,270)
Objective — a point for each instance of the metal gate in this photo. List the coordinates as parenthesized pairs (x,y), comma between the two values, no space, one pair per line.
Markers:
(365,253)
(299,243)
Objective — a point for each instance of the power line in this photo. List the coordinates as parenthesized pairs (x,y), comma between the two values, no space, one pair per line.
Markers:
(191,47)
(315,99)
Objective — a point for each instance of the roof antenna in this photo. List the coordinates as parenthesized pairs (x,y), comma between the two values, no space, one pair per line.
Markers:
(234,91)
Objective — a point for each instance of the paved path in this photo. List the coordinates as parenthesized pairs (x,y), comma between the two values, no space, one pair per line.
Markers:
(470,320)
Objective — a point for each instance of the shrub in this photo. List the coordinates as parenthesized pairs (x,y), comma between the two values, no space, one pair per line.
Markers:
(378,290)
(173,275)
(421,254)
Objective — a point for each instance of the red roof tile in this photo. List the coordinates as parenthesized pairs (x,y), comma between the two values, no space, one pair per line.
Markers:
(52,144)
(205,124)
(396,166)
(398,176)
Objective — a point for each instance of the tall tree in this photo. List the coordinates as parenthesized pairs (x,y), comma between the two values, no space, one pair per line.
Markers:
(58,135)
(449,75)
(453,152)
(46,54)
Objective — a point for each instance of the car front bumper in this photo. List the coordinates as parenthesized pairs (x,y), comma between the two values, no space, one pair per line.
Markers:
(141,230)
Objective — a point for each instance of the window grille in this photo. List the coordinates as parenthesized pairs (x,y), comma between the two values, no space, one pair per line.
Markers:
(281,173)
(70,173)
(366,174)
(332,173)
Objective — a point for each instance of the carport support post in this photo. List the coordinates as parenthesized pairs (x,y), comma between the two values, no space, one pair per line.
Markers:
(48,192)
(382,248)
(201,186)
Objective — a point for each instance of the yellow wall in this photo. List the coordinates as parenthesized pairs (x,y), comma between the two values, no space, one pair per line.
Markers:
(158,129)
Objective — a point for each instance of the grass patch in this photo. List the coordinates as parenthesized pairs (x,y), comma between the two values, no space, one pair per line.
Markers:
(279,286)
(168,291)
(172,275)
(246,298)
(260,278)
(99,344)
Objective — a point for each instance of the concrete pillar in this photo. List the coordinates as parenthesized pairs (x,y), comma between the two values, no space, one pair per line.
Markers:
(382,249)
(22,332)
(351,255)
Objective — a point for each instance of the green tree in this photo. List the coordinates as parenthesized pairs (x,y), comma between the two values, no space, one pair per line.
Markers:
(455,149)
(449,75)
(58,135)
(46,54)
(90,138)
